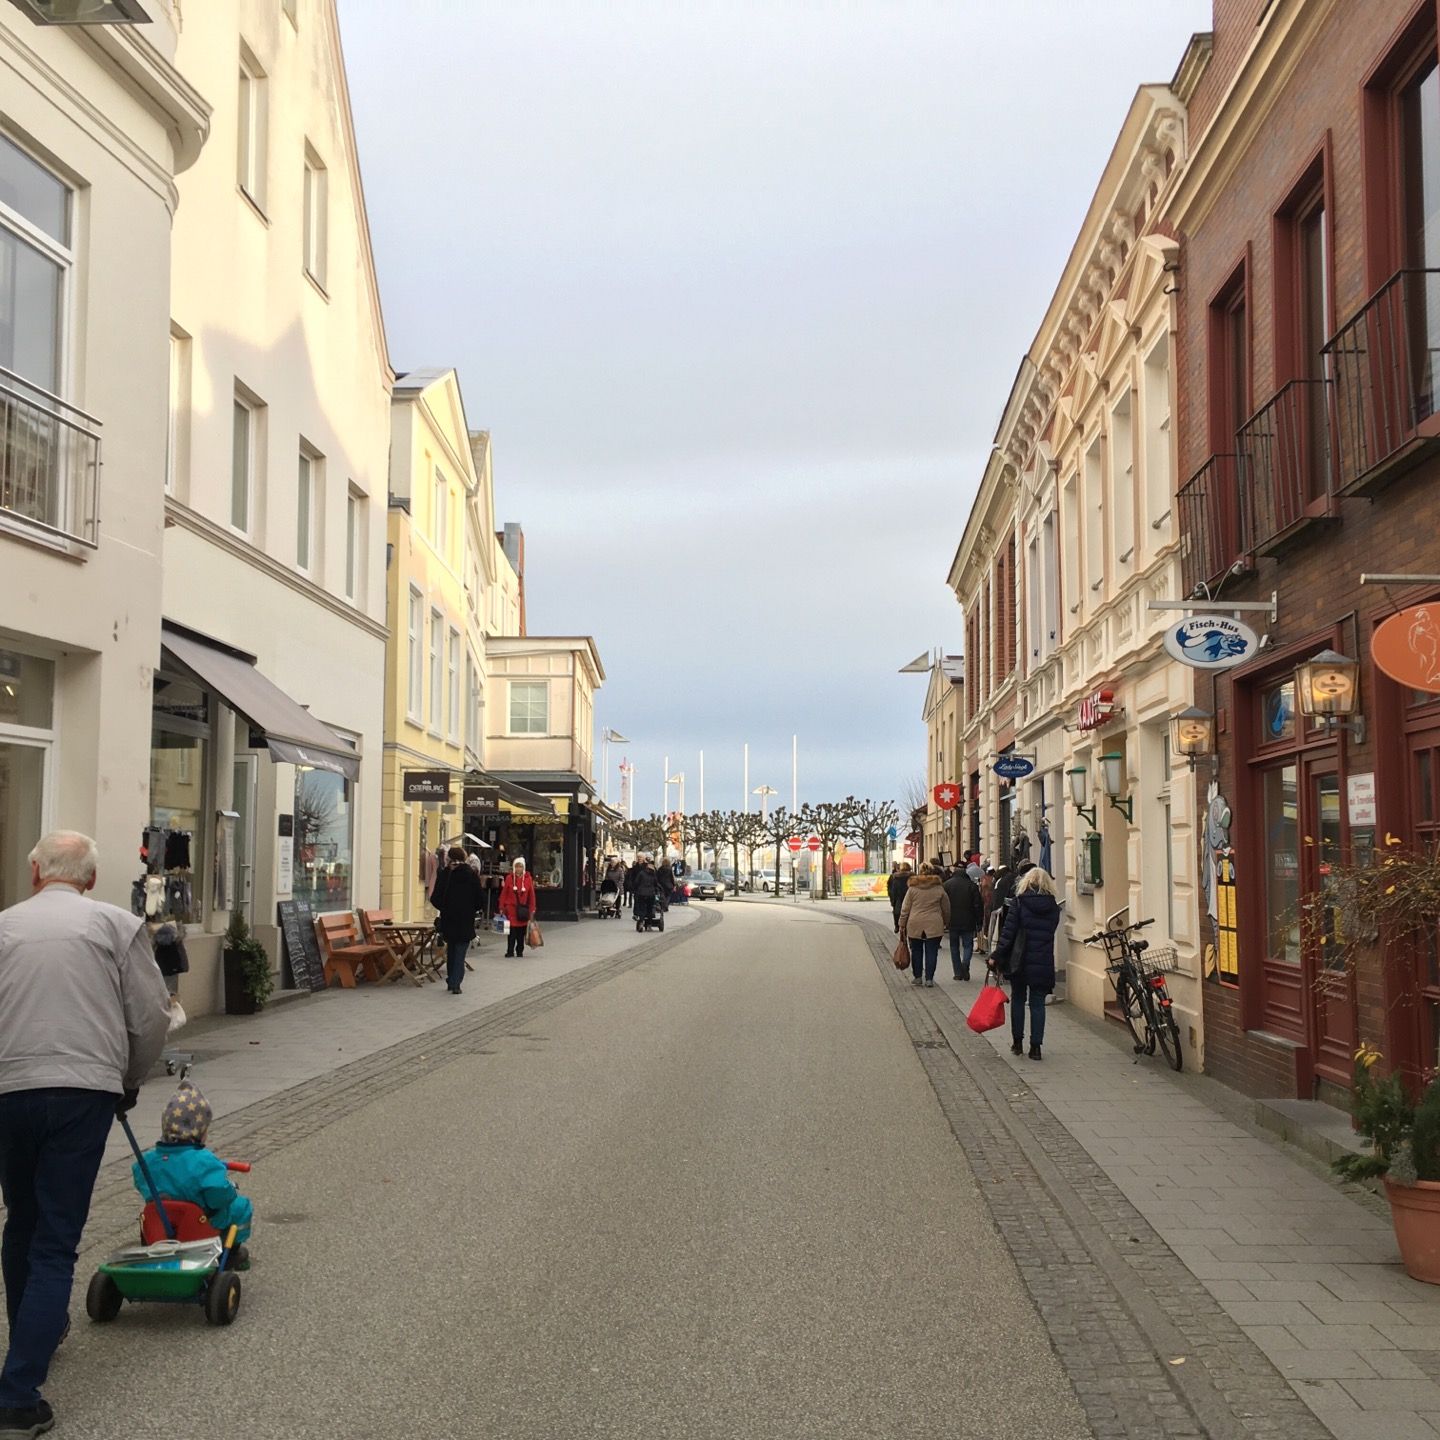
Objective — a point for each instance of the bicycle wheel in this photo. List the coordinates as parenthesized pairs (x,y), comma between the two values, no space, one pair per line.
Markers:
(1132,1011)
(1167,1032)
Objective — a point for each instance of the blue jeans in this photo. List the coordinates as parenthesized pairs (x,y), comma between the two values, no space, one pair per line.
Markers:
(1019,991)
(923,955)
(51,1145)
(455,962)
(962,947)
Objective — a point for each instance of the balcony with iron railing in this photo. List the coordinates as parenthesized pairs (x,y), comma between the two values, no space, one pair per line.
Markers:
(1211,520)
(49,466)
(1384,364)
(1286,469)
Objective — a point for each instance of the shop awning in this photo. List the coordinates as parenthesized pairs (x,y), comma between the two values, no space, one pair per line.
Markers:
(525,800)
(291,732)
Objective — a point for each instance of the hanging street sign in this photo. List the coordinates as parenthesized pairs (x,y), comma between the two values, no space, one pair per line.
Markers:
(1210,642)
(947,797)
(1014,767)
(1406,647)
(1096,708)
(894,833)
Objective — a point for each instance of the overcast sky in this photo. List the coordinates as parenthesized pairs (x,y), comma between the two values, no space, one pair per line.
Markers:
(739,291)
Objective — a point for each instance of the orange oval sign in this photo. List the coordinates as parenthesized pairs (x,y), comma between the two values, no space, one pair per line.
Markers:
(1407,647)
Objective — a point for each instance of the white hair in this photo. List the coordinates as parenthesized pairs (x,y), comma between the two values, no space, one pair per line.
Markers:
(1035,880)
(518,863)
(66,855)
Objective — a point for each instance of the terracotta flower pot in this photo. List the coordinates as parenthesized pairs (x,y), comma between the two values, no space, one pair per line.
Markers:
(1415,1209)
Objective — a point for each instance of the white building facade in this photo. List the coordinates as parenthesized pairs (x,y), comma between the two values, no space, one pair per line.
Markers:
(268,717)
(95,123)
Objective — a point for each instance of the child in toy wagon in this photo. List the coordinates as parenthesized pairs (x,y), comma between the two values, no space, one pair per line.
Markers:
(183,1169)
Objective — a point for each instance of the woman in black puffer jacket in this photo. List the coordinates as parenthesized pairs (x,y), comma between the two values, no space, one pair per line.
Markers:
(1030,924)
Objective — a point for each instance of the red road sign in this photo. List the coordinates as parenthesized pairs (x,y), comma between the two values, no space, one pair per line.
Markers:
(795,843)
(813,843)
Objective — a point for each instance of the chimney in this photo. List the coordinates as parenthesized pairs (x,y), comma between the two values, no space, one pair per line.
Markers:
(512,541)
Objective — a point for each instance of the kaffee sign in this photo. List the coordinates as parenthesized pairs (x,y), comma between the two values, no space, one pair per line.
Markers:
(1096,708)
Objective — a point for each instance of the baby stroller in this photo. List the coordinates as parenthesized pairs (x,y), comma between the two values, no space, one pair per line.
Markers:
(608,905)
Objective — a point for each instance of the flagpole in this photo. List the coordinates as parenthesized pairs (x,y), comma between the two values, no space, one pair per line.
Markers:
(794,773)
(746,790)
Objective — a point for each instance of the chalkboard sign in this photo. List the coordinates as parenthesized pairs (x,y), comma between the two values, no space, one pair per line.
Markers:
(297,925)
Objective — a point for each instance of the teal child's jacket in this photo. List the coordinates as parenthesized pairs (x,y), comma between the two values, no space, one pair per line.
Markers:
(190,1172)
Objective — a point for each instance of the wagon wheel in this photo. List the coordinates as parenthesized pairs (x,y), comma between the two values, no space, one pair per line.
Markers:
(103,1298)
(222,1298)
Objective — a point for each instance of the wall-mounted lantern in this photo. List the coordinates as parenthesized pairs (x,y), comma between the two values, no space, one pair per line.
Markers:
(1079,794)
(1112,768)
(1192,734)
(1327,688)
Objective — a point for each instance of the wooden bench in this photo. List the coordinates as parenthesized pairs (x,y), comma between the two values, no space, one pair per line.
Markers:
(345,954)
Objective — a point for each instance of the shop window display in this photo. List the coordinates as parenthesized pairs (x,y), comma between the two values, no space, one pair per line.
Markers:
(547,864)
(1282,850)
(324,837)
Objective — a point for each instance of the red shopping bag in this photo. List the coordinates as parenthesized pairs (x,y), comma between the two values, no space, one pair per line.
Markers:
(988,1011)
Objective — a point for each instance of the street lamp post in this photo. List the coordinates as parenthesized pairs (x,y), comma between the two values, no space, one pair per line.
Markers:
(607,736)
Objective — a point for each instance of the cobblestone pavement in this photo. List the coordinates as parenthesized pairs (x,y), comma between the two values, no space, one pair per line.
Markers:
(1281,1288)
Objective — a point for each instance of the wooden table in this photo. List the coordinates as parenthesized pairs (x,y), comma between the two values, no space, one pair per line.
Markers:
(414,949)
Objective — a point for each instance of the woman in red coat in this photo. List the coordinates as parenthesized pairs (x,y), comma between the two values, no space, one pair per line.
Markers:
(517,905)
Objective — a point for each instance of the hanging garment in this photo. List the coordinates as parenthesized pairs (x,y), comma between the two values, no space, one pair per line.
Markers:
(177,849)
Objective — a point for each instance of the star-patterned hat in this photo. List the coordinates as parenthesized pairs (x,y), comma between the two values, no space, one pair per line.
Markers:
(186,1117)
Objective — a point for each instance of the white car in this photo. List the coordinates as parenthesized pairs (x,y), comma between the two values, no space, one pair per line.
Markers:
(767,883)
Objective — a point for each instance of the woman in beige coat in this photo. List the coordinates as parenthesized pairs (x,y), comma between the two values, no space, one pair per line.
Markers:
(924,920)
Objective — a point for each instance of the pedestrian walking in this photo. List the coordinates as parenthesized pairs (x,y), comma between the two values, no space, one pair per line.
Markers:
(973,868)
(517,905)
(664,886)
(895,887)
(986,883)
(924,918)
(1030,926)
(967,912)
(83,1016)
(630,883)
(645,886)
(459,897)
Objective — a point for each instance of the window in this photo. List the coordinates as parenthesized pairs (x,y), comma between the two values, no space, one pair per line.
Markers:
(306,510)
(354,541)
(324,839)
(1070,528)
(177,436)
(529,707)
(440,516)
(1155,397)
(242,465)
(1094,520)
(437,669)
(35,261)
(1050,544)
(251,117)
(452,670)
(316,237)
(472,704)
(1229,362)
(415,697)
(1122,484)
(1282,863)
(1034,614)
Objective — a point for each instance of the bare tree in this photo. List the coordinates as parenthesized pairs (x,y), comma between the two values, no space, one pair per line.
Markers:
(831,821)
(914,794)
(870,826)
(736,828)
(777,827)
(642,834)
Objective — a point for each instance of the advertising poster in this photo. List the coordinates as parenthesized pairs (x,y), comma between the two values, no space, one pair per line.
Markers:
(857,885)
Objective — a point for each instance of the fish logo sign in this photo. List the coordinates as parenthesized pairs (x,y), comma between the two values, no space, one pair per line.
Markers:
(1211,642)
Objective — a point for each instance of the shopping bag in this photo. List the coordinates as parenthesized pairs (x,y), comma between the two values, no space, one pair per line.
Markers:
(533,938)
(901,958)
(988,1011)
(499,925)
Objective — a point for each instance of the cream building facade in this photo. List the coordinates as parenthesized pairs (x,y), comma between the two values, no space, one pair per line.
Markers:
(268,723)
(941,830)
(1071,541)
(95,124)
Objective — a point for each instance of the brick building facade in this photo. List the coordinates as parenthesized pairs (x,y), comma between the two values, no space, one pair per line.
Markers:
(1308,321)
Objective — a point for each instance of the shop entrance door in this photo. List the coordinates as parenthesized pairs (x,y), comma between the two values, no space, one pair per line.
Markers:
(1328,996)
(24,785)
(247,775)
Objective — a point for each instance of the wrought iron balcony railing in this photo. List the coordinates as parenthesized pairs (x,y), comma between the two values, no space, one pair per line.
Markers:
(1286,470)
(1211,522)
(49,462)
(1385,368)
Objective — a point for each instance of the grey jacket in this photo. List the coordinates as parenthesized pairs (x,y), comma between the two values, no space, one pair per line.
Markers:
(82,1002)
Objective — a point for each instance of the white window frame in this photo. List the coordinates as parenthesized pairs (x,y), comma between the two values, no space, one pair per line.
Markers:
(354,542)
(1122,480)
(252,127)
(242,489)
(61,255)
(415,684)
(177,434)
(316,227)
(307,509)
(529,687)
(452,675)
(1157,449)
(437,670)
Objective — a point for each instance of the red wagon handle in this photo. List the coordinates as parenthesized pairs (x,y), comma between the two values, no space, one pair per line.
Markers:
(243,1166)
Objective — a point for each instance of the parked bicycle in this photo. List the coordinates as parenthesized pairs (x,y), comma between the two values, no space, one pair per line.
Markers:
(1140,987)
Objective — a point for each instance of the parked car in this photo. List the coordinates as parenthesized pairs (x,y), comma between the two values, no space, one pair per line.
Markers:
(702,885)
(731,886)
(767,883)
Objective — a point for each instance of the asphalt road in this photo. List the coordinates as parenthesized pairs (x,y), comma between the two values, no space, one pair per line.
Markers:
(713,1198)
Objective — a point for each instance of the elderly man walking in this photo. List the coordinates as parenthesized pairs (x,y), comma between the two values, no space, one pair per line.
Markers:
(83,1016)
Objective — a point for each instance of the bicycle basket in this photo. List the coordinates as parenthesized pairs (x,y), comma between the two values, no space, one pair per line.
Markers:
(1161,961)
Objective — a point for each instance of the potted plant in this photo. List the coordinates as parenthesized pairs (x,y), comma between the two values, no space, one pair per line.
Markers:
(248,981)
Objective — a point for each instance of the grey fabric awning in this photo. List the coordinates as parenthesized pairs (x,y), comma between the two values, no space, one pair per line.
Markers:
(292,733)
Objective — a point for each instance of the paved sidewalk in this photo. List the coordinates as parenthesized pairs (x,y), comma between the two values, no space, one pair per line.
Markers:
(1308,1269)
(240,1060)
